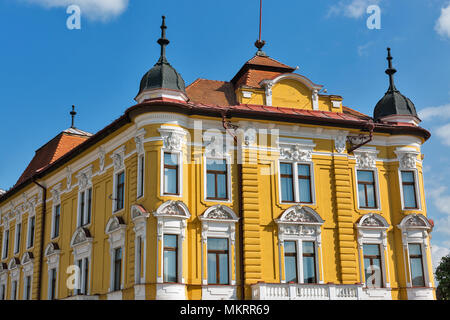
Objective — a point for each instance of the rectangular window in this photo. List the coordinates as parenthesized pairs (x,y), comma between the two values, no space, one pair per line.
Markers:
(287,182)
(409,190)
(216,179)
(31,227)
(120,191)
(171,168)
(18,236)
(366,189)
(304,183)
(415,261)
(14,290)
(52,284)
(309,262)
(140,191)
(372,265)
(5,244)
(27,295)
(139,259)
(85,207)
(218,261)
(290,261)
(170,258)
(83,265)
(56,221)
(117,269)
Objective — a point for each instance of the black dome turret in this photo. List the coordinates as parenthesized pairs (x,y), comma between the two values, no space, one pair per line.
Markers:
(393,103)
(162,75)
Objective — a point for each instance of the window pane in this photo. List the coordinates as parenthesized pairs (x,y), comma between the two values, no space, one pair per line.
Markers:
(371,250)
(361,195)
(217,244)
(289,247)
(291,268)
(286,189)
(216,165)
(309,272)
(414,249)
(285,168)
(305,190)
(171,159)
(211,186)
(170,266)
(373,272)
(303,170)
(308,247)
(417,272)
(89,205)
(223,267)
(409,196)
(407,176)
(370,196)
(221,186)
(212,268)
(170,240)
(366,176)
(170,181)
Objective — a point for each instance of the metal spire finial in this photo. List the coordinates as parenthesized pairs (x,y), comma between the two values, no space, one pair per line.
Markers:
(390,72)
(163,42)
(73,114)
(260,43)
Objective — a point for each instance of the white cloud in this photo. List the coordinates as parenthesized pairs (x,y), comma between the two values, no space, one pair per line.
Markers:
(440,199)
(92,9)
(363,50)
(443,23)
(437,252)
(441,112)
(444,133)
(352,8)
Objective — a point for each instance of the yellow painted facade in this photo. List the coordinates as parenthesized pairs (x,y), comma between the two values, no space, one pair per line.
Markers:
(254,229)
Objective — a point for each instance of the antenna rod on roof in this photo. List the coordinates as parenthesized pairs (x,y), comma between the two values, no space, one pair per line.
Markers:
(260,43)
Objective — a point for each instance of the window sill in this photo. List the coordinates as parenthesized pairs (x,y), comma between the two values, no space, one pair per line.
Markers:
(219,292)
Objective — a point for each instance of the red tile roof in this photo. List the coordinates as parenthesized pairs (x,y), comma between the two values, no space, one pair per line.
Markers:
(211,92)
(50,152)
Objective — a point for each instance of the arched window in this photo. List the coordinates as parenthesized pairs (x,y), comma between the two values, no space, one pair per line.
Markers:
(299,239)
(372,250)
(116,230)
(415,230)
(171,219)
(218,253)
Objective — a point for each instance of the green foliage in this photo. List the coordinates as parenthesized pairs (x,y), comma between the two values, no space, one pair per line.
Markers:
(443,276)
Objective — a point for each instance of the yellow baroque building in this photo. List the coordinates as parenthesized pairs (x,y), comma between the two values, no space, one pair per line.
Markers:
(262,187)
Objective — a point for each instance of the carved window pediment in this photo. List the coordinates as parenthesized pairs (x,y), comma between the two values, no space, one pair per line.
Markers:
(296,152)
(80,236)
(415,221)
(173,208)
(300,214)
(372,220)
(52,248)
(219,212)
(13,263)
(138,211)
(27,257)
(366,159)
(115,224)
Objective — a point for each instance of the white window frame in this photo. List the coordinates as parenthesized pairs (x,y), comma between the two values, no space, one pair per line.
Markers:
(84,185)
(53,236)
(415,229)
(291,228)
(140,192)
(116,174)
(376,188)
(17,237)
(52,255)
(81,243)
(416,187)
(29,234)
(139,217)
(227,159)
(27,263)
(118,157)
(372,229)
(180,173)
(5,244)
(295,182)
(116,231)
(14,273)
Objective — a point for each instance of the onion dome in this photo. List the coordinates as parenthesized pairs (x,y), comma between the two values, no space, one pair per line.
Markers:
(162,80)
(395,107)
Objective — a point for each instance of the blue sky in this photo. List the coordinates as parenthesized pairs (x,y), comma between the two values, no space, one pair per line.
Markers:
(45,67)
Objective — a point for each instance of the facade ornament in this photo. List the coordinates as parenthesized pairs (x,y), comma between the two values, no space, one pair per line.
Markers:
(69,177)
(101,157)
(414,221)
(85,178)
(51,249)
(80,236)
(56,193)
(340,142)
(299,214)
(371,221)
(139,139)
(366,159)
(268,87)
(218,213)
(118,158)
(315,99)
(249,136)
(296,152)
(407,158)
(173,140)
(214,144)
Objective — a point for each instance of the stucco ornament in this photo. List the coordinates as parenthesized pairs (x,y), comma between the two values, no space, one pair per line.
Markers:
(299,214)
(172,140)
(340,142)
(101,156)
(118,158)
(296,152)
(219,212)
(365,159)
